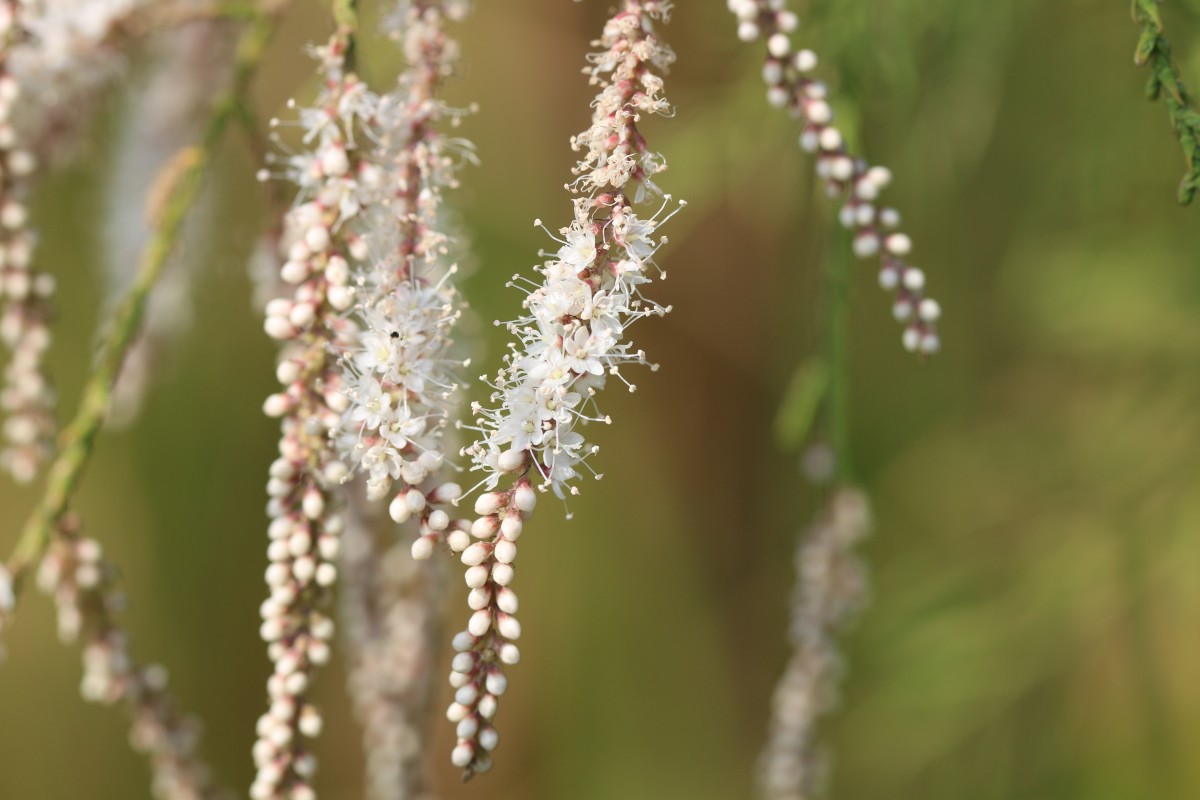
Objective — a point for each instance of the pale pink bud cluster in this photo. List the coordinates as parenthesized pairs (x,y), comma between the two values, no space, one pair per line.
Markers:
(790,85)
(488,645)
(27,398)
(573,337)
(305,526)
(830,588)
(82,583)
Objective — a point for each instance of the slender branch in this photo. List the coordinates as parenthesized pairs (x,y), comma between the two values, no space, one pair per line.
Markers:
(836,333)
(1154,50)
(185,173)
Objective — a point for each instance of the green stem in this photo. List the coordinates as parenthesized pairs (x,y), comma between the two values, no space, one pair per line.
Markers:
(78,439)
(837,312)
(345,15)
(1166,82)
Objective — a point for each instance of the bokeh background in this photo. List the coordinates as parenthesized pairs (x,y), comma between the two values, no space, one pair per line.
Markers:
(1036,487)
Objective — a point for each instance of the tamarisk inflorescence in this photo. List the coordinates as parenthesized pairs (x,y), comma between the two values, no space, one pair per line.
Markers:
(83,585)
(789,85)
(572,337)
(305,525)
(830,588)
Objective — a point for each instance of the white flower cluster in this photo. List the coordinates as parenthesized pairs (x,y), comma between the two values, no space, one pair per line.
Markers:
(26,398)
(786,73)
(399,371)
(830,588)
(571,339)
(82,583)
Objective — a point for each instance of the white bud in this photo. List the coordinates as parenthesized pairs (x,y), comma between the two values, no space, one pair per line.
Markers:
(489,503)
(508,626)
(509,653)
(476,554)
(505,551)
(502,574)
(422,548)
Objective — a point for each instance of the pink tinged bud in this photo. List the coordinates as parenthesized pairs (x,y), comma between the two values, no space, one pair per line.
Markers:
(511,460)
(496,683)
(480,622)
(479,598)
(476,576)
(476,554)
(294,272)
(506,600)
(340,297)
(467,728)
(279,328)
(458,540)
(508,626)
(415,500)
(929,310)
(914,279)
(446,493)
(304,569)
(457,712)
(525,498)
(505,551)
(510,654)
(458,679)
(889,278)
(462,754)
(898,244)
(334,161)
(502,574)
(313,504)
(317,238)
(319,652)
(779,45)
(467,695)
(512,525)
(489,738)
(422,548)
(399,510)
(310,722)
(326,574)
(277,405)
(489,503)
(485,527)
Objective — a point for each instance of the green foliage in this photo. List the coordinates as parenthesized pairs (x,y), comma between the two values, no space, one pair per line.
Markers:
(1165,81)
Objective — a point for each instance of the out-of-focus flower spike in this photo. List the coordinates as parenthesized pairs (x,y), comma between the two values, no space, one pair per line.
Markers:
(787,73)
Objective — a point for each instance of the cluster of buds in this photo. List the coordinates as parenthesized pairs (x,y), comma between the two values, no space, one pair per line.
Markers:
(830,588)
(488,644)
(305,525)
(83,585)
(572,338)
(27,398)
(787,73)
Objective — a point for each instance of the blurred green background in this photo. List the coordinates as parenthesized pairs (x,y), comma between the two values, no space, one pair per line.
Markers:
(1036,487)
